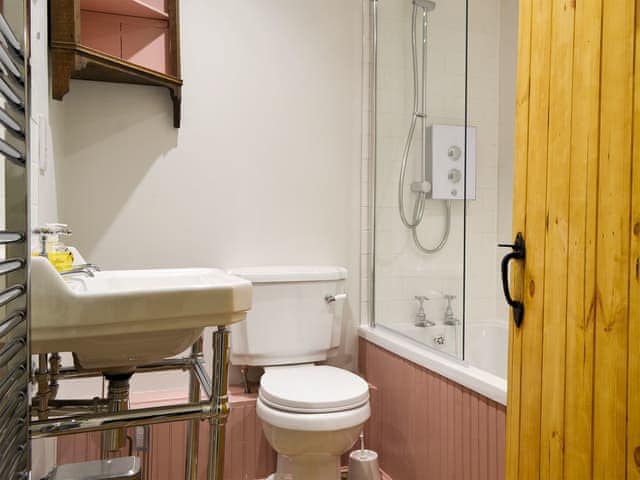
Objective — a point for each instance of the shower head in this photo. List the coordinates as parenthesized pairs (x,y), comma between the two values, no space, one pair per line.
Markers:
(428,5)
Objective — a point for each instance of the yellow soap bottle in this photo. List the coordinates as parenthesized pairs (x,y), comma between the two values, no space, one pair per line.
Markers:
(61,260)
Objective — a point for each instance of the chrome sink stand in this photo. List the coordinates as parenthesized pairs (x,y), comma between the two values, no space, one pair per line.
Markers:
(90,415)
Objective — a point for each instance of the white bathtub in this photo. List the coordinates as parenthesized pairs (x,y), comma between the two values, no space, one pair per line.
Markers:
(439,337)
(486,347)
(486,355)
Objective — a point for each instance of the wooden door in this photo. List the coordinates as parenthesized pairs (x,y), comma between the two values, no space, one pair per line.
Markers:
(574,367)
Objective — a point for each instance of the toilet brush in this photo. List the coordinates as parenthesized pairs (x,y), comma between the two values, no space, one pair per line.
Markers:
(363,464)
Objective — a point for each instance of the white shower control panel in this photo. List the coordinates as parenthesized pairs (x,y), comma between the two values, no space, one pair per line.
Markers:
(445,162)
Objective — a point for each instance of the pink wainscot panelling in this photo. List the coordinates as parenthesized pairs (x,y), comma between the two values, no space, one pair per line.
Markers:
(248,455)
(383,474)
(426,427)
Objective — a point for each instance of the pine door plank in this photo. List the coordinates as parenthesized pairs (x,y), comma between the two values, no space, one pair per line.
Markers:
(633,379)
(556,242)
(519,210)
(531,377)
(585,136)
(612,272)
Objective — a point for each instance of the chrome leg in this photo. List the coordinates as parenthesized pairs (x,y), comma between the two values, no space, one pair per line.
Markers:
(42,377)
(54,368)
(117,401)
(146,469)
(193,427)
(244,372)
(219,404)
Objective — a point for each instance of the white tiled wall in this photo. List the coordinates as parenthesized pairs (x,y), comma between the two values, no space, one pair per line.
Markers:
(484,28)
(401,271)
(506,127)
(365,201)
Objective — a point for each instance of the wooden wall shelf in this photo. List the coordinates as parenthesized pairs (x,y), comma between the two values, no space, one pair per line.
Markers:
(130,8)
(120,41)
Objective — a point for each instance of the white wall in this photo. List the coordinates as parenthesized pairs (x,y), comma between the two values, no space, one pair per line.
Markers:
(44,208)
(265,169)
(43,199)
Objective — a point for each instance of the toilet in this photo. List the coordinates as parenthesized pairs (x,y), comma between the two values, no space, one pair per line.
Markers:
(311,414)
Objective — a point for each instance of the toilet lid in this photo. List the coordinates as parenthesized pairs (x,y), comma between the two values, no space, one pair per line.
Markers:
(313,389)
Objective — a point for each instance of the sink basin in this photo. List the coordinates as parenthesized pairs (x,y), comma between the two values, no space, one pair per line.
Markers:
(120,319)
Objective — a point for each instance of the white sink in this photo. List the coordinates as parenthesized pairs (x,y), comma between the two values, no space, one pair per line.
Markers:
(119,319)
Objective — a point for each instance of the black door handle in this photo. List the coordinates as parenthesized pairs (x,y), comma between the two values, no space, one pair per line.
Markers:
(518,253)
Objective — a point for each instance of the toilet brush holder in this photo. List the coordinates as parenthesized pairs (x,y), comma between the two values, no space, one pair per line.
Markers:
(363,465)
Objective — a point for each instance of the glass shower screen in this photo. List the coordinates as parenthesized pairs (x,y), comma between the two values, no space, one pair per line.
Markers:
(424,164)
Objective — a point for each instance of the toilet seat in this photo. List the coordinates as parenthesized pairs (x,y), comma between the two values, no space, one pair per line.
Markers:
(313,389)
(313,422)
(311,398)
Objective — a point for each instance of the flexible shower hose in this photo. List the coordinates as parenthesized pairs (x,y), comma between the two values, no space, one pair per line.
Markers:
(421,197)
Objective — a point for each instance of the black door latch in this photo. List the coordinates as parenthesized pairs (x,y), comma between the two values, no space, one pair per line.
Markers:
(518,253)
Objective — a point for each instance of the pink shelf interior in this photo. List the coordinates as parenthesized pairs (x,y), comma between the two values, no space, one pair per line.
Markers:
(142,41)
(131,8)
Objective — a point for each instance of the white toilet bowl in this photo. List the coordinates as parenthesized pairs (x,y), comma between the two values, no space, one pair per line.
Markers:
(311,415)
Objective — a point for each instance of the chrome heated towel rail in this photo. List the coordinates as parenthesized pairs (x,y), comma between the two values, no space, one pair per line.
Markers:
(14,251)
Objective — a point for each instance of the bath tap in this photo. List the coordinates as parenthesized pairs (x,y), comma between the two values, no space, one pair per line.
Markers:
(82,270)
(88,269)
(89,266)
(449,318)
(421,319)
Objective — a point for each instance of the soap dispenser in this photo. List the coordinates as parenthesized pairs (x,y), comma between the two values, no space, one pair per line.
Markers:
(52,247)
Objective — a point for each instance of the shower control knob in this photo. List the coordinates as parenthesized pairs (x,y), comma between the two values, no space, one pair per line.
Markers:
(454,175)
(454,152)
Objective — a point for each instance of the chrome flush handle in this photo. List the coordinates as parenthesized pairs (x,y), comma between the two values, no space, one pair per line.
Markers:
(333,298)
